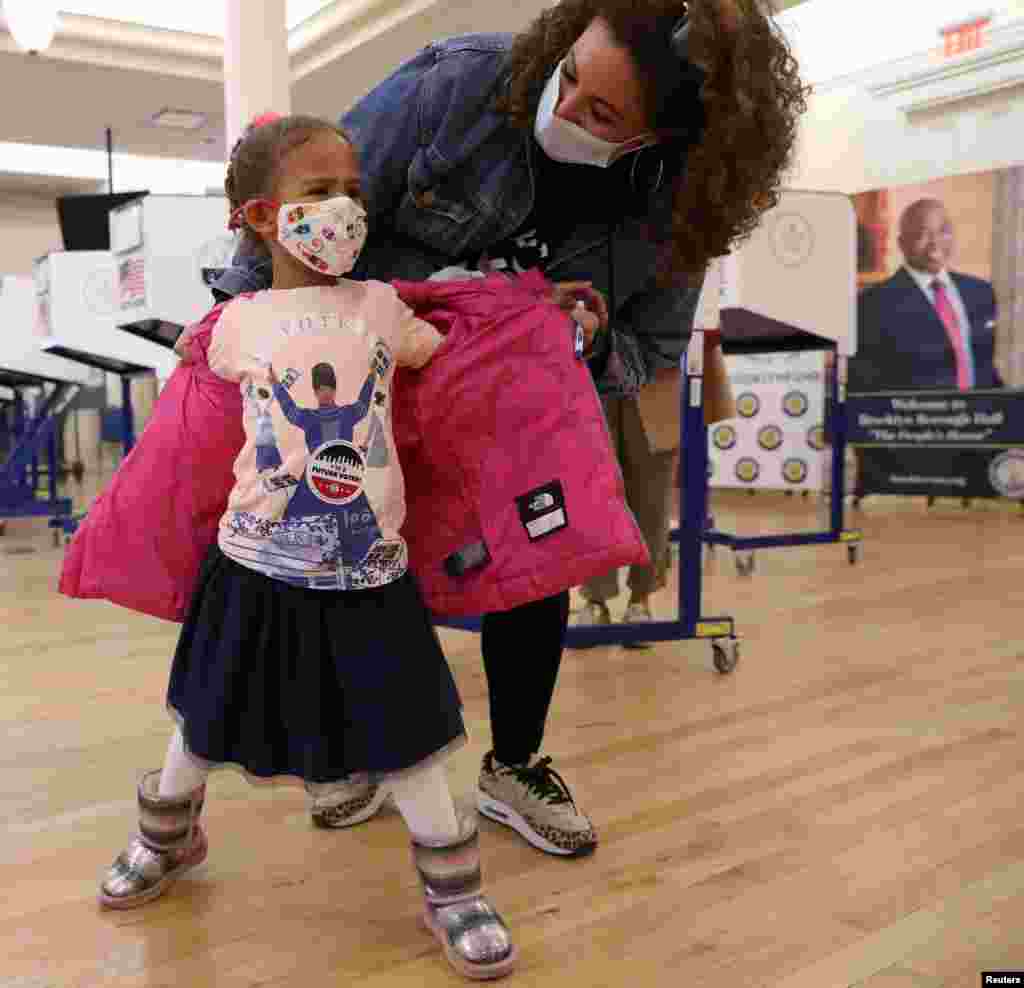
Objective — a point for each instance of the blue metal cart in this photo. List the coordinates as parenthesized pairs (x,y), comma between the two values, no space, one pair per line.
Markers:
(765,341)
(32,449)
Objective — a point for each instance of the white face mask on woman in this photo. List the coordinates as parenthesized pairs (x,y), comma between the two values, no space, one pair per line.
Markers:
(567,142)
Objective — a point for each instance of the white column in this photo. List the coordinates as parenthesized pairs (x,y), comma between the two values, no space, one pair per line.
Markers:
(257,73)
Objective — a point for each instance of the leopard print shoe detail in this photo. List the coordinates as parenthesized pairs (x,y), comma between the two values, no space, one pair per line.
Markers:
(346,804)
(535,801)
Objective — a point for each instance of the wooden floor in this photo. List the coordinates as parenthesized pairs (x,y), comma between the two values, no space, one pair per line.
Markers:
(846,809)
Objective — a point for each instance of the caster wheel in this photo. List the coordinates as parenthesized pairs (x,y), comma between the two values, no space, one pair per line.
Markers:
(853,554)
(745,563)
(931,500)
(725,654)
(78,471)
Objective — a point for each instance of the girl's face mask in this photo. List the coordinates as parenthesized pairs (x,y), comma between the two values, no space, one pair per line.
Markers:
(567,142)
(326,236)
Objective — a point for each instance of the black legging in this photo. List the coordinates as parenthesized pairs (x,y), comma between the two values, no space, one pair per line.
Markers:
(522,651)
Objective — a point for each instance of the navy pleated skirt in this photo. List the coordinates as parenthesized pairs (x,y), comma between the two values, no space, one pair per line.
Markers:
(320,685)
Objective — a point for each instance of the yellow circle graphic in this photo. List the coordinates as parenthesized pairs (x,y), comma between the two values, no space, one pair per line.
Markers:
(748,404)
(795,403)
(747,470)
(816,437)
(724,437)
(769,437)
(795,470)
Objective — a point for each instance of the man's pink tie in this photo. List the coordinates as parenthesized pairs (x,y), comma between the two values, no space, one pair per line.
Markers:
(956,337)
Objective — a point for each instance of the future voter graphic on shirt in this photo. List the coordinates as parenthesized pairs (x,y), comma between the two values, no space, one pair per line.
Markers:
(319,498)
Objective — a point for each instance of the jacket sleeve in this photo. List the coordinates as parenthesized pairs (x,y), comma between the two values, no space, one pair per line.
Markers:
(865,367)
(648,333)
(386,126)
(390,126)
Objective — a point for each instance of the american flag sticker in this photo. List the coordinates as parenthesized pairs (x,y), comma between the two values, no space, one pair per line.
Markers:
(131,282)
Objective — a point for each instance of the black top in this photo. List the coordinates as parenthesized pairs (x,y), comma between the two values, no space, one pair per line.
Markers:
(565,196)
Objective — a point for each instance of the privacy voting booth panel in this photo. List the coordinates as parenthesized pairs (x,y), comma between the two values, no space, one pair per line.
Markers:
(796,272)
(786,294)
(75,309)
(19,345)
(167,249)
(84,223)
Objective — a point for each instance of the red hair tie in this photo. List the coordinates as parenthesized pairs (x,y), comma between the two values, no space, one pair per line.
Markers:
(263,119)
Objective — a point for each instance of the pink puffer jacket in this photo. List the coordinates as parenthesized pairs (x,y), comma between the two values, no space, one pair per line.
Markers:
(513,491)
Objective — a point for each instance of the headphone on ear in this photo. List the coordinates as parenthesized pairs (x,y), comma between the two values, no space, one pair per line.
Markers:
(679,42)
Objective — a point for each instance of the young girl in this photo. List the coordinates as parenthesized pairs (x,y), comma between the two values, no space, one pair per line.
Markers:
(307,651)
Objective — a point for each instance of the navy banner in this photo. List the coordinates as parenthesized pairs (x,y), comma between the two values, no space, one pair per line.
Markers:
(941,443)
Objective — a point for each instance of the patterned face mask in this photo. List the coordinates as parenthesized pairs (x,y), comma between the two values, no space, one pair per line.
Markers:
(326,236)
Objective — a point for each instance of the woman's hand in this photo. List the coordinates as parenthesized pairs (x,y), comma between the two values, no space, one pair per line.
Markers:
(592,315)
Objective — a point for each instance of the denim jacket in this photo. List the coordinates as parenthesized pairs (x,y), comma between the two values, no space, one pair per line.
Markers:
(445,175)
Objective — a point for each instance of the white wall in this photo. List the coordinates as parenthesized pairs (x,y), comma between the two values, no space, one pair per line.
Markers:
(851,140)
(28,229)
(868,69)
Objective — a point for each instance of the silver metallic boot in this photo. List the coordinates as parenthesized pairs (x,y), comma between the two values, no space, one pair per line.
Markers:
(475,939)
(169,842)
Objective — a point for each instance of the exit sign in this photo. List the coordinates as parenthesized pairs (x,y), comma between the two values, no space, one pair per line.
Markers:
(964,36)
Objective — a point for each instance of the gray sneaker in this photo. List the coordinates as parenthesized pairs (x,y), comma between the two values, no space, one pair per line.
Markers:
(591,613)
(637,613)
(346,803)
(535,802)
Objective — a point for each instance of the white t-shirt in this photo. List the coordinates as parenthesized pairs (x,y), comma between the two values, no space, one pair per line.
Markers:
(319,498)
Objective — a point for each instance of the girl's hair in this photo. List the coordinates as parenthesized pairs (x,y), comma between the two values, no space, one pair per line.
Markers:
(254,165)
(728,141)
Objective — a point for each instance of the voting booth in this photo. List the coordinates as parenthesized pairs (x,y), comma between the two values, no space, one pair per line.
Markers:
(796,274)
(19,345)
(40,387)
(75,308)
(167,249)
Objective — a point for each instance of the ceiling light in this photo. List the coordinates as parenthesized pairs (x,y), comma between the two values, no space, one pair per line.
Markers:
(179,119)
(32,23)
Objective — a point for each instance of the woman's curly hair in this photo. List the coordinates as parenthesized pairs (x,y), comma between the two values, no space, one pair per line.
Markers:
(752,98)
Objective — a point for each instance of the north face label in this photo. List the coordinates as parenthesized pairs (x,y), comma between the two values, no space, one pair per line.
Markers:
(542,510)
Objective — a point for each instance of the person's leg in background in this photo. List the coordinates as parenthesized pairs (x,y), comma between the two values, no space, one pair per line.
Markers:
(648,476)
(597,592)
(522,652)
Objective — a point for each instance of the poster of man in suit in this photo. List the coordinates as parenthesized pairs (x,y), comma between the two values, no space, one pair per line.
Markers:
(927,325)
(937,384)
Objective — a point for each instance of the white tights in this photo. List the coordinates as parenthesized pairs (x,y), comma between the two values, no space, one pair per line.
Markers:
(422,797)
